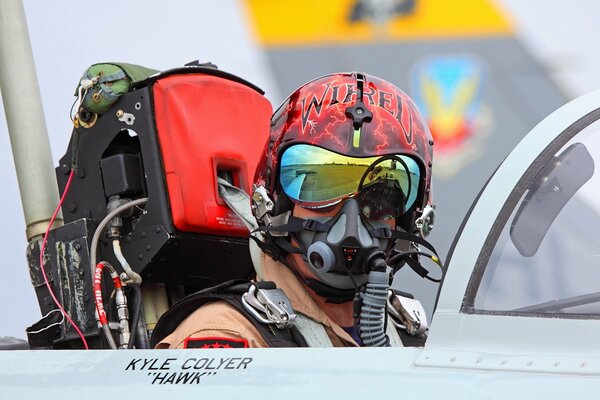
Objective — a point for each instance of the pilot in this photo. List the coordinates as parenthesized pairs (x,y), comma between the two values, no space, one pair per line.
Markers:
(342,198)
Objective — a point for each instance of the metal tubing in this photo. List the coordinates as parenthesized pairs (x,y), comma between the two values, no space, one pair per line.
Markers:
(25,120)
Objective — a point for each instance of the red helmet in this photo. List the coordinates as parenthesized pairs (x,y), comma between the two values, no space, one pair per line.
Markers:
(354,115)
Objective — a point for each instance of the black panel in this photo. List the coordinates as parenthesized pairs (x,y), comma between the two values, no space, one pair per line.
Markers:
(67,267)
(122,175)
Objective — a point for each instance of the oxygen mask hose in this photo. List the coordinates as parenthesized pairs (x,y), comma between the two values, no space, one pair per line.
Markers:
(371,322)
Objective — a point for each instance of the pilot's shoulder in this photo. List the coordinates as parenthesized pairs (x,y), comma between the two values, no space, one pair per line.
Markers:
(217,314)
(217,319)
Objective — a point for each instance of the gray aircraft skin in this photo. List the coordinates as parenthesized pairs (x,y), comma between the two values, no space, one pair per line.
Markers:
(517,315)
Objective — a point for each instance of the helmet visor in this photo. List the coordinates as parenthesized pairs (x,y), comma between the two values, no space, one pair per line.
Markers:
(385,186)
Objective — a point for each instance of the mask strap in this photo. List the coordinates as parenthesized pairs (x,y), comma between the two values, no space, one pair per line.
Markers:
(407,257)
(296,224)
(287,246)
(276,235)
(386,233)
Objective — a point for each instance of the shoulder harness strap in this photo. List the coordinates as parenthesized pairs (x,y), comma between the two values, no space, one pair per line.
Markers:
(393,334)
(231,292)
(314,332)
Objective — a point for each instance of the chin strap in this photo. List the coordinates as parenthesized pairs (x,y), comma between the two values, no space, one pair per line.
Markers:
(331,294)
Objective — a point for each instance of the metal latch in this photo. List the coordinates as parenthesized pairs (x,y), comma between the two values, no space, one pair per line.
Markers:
(407,314)
(269,306)
(262,205)
(123,116)
(425,222)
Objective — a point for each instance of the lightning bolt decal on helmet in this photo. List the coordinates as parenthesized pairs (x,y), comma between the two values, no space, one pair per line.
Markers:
(356,116)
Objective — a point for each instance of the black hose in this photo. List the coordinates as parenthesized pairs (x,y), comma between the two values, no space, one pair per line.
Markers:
(137,311)
(143,341)
(398,257)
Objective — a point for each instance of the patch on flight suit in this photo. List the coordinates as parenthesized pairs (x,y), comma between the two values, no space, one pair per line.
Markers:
(214,343)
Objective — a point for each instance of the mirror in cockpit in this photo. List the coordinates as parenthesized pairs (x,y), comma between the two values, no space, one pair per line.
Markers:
(554,186)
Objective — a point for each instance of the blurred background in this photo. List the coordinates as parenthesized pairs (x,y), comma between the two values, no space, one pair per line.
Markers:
(484,72)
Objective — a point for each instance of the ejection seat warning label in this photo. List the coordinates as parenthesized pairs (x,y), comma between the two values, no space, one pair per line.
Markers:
(185,371)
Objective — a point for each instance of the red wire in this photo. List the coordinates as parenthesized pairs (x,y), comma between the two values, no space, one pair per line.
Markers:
(43,248)
(98,288)
(98,293)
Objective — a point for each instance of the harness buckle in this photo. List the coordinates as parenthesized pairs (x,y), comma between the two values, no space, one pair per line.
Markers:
(269,306)
(407,314)
(262,205)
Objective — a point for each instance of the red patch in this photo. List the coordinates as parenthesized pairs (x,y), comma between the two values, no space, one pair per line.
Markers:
(215,343)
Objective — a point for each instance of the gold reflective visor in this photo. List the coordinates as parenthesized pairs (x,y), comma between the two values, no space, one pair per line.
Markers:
(314,177)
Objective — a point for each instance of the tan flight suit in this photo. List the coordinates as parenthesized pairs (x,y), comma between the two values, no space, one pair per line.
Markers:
(219,319)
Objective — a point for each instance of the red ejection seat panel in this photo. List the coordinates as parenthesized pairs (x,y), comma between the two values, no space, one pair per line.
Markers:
(208,125)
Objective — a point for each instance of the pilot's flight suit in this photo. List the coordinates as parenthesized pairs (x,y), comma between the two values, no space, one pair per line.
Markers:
(222,321)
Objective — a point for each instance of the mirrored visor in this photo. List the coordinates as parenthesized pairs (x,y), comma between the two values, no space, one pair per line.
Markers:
(314,177)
